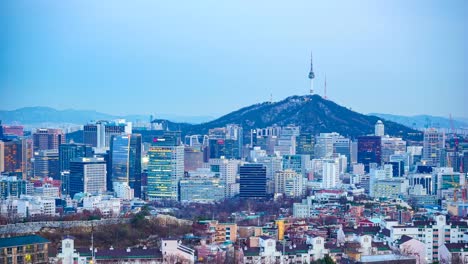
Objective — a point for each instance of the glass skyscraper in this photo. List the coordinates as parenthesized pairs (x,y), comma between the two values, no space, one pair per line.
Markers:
(125,161)
(252,181)
(71,151)
(165,168)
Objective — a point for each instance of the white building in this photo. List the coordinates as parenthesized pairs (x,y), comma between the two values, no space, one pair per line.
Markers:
(228,171)
(433,234)
(68,254)
(47,190)
(290,183)
(389,188)
(379,129)
(123,190)
(106,204)
(35,206)
(174,252)
(330,174)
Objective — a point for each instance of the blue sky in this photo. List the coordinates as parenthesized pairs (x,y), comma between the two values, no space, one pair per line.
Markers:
(212,57)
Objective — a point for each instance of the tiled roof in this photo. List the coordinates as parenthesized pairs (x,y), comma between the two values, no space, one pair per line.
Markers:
(22,240)
(135,253)
(405,238)
(457,247)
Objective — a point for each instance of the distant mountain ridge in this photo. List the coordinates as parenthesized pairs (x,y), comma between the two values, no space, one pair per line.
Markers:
(311,112)
(41,114)
(422,121)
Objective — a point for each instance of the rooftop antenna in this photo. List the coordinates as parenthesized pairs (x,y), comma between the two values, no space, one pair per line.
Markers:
(311,75)
(325,88)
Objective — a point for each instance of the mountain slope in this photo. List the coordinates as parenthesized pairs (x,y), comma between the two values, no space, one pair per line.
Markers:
(421,121)
(39,114)
(311,112)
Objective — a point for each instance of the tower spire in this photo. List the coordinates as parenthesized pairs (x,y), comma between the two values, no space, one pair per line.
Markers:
(325,88)
(311,74)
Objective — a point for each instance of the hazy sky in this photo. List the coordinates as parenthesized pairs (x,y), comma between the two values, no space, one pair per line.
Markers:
(212,57)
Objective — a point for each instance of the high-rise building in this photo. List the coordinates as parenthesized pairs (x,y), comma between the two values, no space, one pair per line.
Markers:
(226,141)
(99,134)
(252,181)
(11,186)
(433,146)
(305,144)
(2,156)
(226,170)
(297,163)
(125,161)
(379,129)
(342,146)
(290,183)
(324,144)
(46,164)
(286,143)
(369,150)
(330,174)
(71,151)
(17,155)
(391,146)
(48,138)
(13,130)
(165,167)
(195,189)
(87,175)
(193,158)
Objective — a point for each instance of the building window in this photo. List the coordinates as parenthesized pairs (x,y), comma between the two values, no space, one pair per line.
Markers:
(20,260)
(40,247)
(19,249)
(9,251)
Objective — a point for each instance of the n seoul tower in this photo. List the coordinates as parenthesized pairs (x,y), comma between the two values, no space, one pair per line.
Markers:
(311,75)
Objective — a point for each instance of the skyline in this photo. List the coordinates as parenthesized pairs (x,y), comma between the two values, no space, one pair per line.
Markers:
(233,55)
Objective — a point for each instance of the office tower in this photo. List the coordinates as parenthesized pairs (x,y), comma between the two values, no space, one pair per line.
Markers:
(46,164)
(17,155)
(98,134)
(433,146)
(2,156)
(297,163)
(11,186)
(290,183)
(165,167)
(342,146)
(391,146)
(13,131)
(252,181)
(226,141)
(71,151)
(272,165)
(193,158)
(47,138)
(369,150)
(125,161)
(202,190)
(305,144)
(87,175)
(379,129)
(328,143)
(90,135)
(330,174)
(286,143)
(226,170)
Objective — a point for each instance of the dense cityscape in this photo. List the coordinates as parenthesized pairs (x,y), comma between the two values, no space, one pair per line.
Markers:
(111,191)
(233,132)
